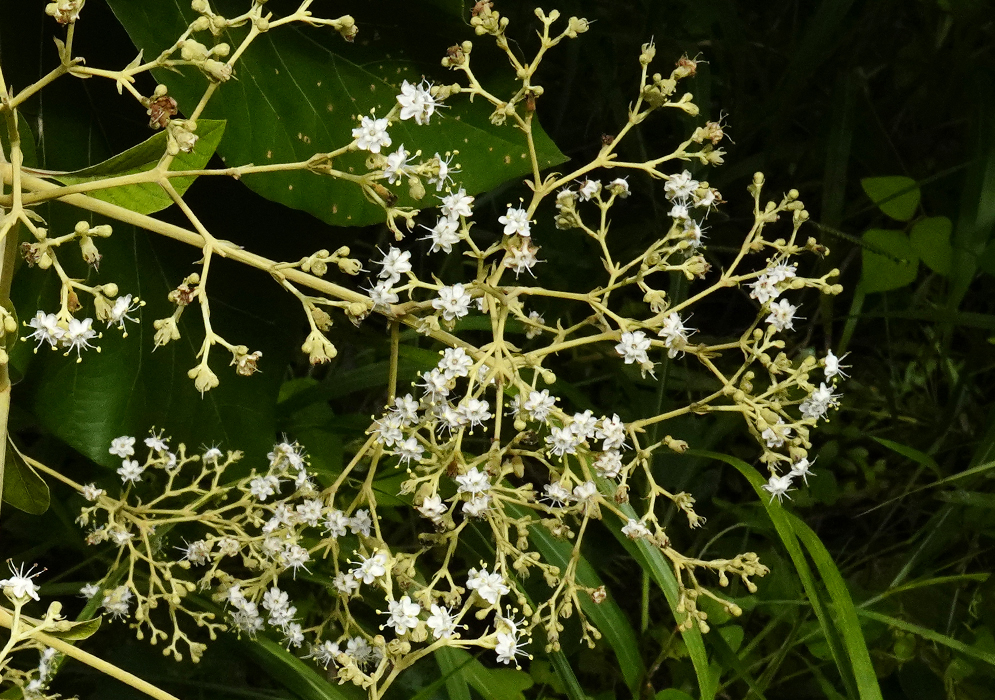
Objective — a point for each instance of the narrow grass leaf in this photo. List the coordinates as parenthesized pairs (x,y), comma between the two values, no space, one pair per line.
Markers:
(931,635)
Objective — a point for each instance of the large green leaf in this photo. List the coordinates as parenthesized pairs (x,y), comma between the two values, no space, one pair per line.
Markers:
(930,238)
(298,91)
(22,487)
(896,196)
(148,198)
(460,667)
(889,261)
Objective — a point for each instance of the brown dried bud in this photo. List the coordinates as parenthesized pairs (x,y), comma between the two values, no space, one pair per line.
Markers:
(161,110)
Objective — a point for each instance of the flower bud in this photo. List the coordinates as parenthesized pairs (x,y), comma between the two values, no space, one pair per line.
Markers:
(319,349)
(203,378)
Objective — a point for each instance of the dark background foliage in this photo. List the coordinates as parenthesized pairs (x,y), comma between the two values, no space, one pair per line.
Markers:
(816,94)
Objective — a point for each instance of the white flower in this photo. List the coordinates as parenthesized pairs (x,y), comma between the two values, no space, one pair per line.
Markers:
(91,492)
(324,653)
(47,329)
(694,232)
(782,271)
(832,365)
(20,584)
(608,464)
(453,302)
(383,294)
(457,204)
(508,647)
(309,511)
(764,289)
(474,411)
(345,584)
(634,529)
(588,189)
(432,507)
(395,263)
(360,650)
(818,402)
(584,425)
(612,431)
(556,494)
(490,587)
(444,235)
(674,334)
(262,487)
(409,450)
(534,331)
(442,177)
(782,315)
(389,429)
(778,487)
(679,212)
(130,471)
(619,187)
(197,552)
(521,258)
(539,404)
(157,442)
(361,522)
(436,385)
(123,446)
(286,455)
(562,441)
(406,409)
(397,165)
(633,347)
(473,482)
(516,222)
(89,590)
(293,635)
(77,337)
(211,456)
(403,615)
(371,134)
(118,313)
(776,434)
(802,468)
(680,186)
(441,622)
(371,568)
(477,506)
(336,523)
(585,491)
(417,102)
(117,601)
(455,363)
(295,557)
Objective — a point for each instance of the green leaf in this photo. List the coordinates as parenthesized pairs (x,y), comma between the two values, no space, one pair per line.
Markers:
(672,694)
(896,196)
(931,635)
(297,676)
(492,684)
(148,198)
(930,238)
(912,453)
(298,91)
(23,488)
(968,498)
(889,261)
(76,631)
(839,620)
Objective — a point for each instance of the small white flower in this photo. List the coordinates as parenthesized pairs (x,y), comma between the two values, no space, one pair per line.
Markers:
(585,492)
(372,568)
(77,337)
(521,258)
(417,102)
(197,552)
(295,557)
(262,487)
(833,367)
(562,441)
(490,587)
(395,263)
(360,650)
(89,590)
(633,346)
(680,186)
(293,635)
(782,315)
(409,450)
(432,508)
(457,204)
(679,212)
(444,235)
(778,487)
(818,402)
(309,512)
(584,425)
(443,176)
(123,446)
(397,165)
(455,363)
(516,222)
(453,302)
(403,615)
(556,494)
(674,334)
(694,233)
(764,289)
(634,529)
(474,411)
(345,584)
(437,385)
(20,584)
(473,482)
(477,506)
(776,434)
(782,271)
(802,468)
(157,442)
(508,647)
(130,471)
(608,464)
(47,329)
(539,404)
(212,455)
(91,492)
(117,601)
(371,134)
(118,313)
(361,522)
(336,523)
(324,653)
(406,409)
(588,189)
(534,331)
(441,622)
(619,187)
(612,431)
